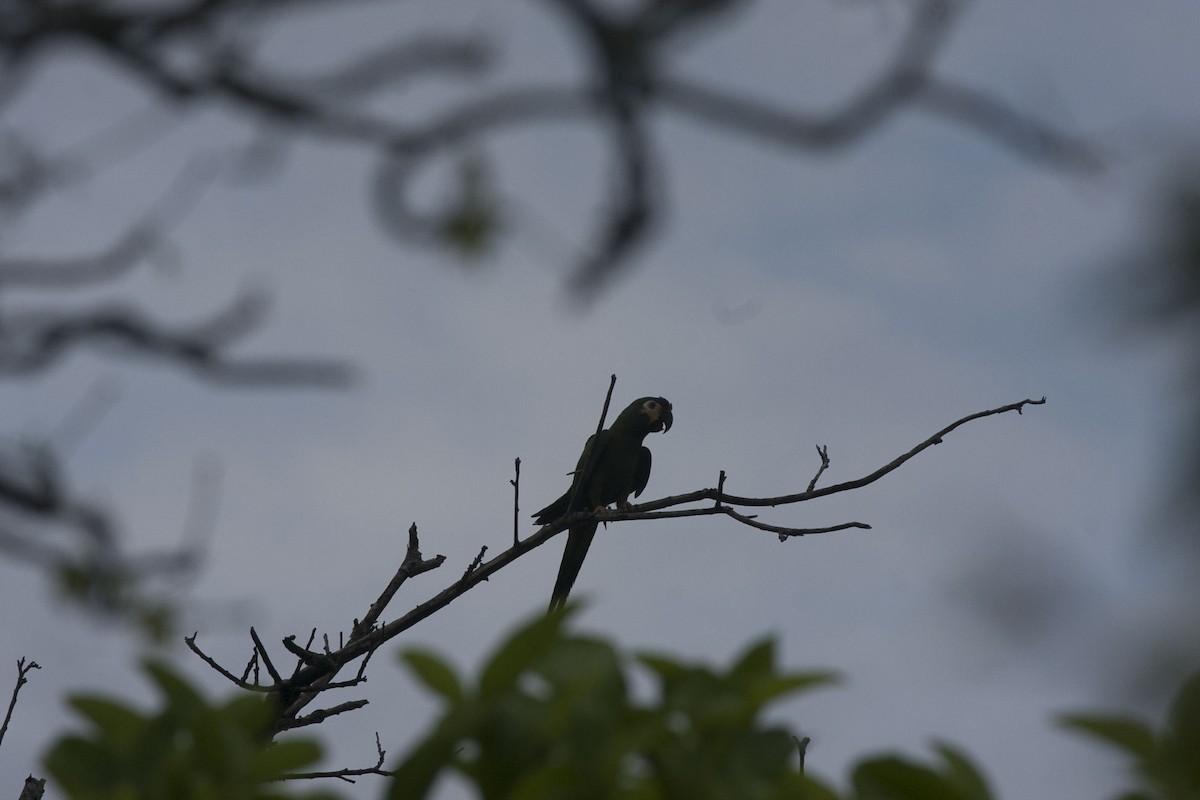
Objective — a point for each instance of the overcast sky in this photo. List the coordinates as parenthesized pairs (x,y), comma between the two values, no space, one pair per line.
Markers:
(860,300)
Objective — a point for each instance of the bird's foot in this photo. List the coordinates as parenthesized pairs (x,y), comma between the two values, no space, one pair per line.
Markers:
(624,507)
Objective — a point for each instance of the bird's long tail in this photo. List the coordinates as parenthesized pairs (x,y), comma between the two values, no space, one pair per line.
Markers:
(578,540)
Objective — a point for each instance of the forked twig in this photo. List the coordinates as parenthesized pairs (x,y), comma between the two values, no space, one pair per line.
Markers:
(23,670)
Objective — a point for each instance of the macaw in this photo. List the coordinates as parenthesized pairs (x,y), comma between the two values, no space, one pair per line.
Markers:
(614,464)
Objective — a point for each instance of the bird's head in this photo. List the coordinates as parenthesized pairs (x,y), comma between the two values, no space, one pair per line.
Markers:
(658,412)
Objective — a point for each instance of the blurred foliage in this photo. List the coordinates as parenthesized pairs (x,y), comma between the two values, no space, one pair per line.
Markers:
(897,778)
(1161,292)
(471,223)
(188,749)
(1178,248)
(551,716)
(116,594)
(1166,763)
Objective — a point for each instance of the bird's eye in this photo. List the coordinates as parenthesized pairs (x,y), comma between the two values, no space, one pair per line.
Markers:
(652,405)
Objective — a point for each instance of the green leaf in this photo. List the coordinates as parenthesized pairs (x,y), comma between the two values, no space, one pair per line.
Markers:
(962,774)
(435,673)
(179,695)
(894,778)
(113,719)
(581,663)
(251,714)
(1130,735)
(415,775)
(517,654)
(79,766)
(668,670)
(472,220)
(814,789)
(186,749)
(765,690)
(553,718)
(757,661)
(281,758)
(1178,767)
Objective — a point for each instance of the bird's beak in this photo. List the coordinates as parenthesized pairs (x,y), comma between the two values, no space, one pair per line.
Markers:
(667,417)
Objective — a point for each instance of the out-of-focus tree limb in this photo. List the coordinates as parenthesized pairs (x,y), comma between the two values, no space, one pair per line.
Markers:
(626,52)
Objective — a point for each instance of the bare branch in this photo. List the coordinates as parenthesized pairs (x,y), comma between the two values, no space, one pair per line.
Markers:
(412,565)
(35,340)
(241,683)
(348,774)
(90,566)
(22,671)
(123,255)
(305,656)
(591,465)
(320,715)
(784,532)
(823,452)
(400,61)
(265,657)
(988,115)
(647,511)
(710,494)
(516,484)
(474,565)
(1011,127)
(633,207)
(140,242)
(34,789)
(802,749)
(315,672)
(629,77)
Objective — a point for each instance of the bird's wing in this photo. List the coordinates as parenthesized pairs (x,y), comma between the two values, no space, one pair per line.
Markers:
(584,482)
(641,471)
(580,483)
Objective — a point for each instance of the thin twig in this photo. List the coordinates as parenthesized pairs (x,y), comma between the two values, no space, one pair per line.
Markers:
(823,452)
(22,672)
(348,774)
(315,678)
(516,484)
(412,565)
(241,683)
(474,565)
(251,664)
(580,480)
(321,715)
(306,656)
(312,637)
(634,515)
(802,749)
(265,657)
(787,499)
